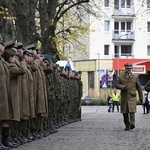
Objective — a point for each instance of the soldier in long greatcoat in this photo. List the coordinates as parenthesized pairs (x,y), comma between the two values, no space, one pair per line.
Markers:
(4,97)
(129,85)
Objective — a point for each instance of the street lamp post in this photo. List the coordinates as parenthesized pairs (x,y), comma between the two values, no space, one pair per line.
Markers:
(98,79)
(118,51)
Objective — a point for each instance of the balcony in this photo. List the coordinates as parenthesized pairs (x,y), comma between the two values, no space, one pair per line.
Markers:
(130,35)
(118,11)
(123,55)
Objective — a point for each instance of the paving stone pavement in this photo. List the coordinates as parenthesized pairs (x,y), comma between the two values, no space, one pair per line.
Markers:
(98,130)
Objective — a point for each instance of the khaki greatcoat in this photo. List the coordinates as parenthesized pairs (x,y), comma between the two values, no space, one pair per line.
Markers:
(129,97)
(4,89)
(15,72)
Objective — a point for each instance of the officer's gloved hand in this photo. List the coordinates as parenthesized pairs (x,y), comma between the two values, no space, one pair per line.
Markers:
(124,89)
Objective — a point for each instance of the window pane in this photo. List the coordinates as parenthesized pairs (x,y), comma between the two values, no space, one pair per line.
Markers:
(116,4)
(128,26)
(128,3)
(126,50)
(148,50)
(123,26)
(148,26)
(106,25)
(106,49)
(116,52)
(148,3)
(90,79)
(106,3)
(122,3)
(116,25)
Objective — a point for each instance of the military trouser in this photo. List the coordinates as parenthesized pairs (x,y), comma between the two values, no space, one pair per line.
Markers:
(129,118)
(57,115)
(14,129)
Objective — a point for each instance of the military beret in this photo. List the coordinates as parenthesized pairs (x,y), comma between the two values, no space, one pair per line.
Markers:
(31,46)
(9,44)
(10,52)
(128,66)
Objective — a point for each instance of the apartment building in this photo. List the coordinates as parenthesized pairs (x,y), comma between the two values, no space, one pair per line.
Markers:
(120,35)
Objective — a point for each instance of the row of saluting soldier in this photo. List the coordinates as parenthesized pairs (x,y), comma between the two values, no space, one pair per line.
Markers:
(37,96)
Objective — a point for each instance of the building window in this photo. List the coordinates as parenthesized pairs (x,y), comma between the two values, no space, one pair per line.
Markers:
(148,50)
(148,3)
(122,3)
(107,25)
(128,26)
(106,49)
(106,3)
(116,51)
(116,4)
(148,26)
(90,79)
(126,50)
(122,50)
(122,26)
(128,3)
(116,27)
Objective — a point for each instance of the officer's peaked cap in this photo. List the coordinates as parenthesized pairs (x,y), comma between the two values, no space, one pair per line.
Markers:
(128,66)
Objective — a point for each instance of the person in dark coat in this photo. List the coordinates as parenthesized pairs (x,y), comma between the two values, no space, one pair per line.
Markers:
(110,103)
(145,103)
(129,83)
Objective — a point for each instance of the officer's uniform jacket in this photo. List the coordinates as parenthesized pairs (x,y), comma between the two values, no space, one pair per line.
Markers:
(129,97)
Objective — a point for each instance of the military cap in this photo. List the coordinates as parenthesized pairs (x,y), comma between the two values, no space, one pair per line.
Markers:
(19,45)
(31,46)
(1,42)
(9,44)
(27,53)
(128,66)
(10,52)
(45,60)
(79,72)
(38,51)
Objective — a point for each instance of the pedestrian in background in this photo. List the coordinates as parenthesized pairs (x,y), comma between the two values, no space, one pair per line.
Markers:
(128,83)
(110,103)
(145,103)
(115,99)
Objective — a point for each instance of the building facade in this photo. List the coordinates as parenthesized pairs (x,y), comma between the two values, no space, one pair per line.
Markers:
(121,35)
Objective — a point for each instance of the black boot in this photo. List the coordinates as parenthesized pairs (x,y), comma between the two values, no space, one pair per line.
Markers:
(5,135)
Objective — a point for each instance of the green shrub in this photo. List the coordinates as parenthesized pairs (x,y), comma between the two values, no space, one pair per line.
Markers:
(94,102)
(97,102)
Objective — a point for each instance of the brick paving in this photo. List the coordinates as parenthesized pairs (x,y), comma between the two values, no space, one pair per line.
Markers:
(98,130)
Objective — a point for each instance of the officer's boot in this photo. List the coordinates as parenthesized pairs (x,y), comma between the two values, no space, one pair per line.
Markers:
(5,135)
